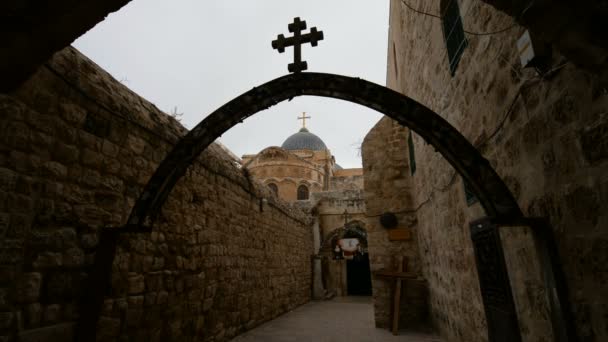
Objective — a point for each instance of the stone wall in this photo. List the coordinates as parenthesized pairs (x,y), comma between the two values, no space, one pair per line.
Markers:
(352,180)
(76,149)
(544,134)
(389,188)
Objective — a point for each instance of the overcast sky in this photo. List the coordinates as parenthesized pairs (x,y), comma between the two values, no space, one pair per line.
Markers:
(197,55)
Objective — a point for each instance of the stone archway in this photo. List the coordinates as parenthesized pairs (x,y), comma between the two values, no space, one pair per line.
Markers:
(357,227)
(345,266)
(485,183)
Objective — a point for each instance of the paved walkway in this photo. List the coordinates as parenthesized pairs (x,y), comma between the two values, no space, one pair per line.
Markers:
(342,319)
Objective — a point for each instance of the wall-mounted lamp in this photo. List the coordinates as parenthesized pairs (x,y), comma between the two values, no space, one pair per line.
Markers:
(388,220)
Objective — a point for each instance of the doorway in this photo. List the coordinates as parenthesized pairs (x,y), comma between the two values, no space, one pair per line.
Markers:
(358,276)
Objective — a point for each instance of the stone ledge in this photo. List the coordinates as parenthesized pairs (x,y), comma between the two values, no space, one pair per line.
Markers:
(59,332)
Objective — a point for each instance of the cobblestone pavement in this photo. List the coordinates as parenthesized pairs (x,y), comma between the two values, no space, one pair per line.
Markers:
(342,319)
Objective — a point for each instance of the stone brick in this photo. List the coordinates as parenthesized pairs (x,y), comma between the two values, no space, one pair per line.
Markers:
(136,144)
(66,154)
(59,332)
(5,301)
(109,149)
(109,328)
(91,215)
(62,286)
(51,314)
(6,320)
(91,159)
(46,260)
(17,135)
(55,169)
(72,113)
(97,125)
(136,302)
(73,257)
(19,224)
(136,283)
(33,315)
(29,287)
(89,241)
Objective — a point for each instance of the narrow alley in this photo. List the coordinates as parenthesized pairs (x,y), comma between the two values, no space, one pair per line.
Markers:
(342,319)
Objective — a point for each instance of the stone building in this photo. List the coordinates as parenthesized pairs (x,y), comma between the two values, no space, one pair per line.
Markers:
(541,122)
(301,166)
(77,149)
(304,171)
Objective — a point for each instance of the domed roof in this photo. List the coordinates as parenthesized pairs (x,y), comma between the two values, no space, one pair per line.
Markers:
(304,140)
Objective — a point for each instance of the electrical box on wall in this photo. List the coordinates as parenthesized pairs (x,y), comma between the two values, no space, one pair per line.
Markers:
(532,52)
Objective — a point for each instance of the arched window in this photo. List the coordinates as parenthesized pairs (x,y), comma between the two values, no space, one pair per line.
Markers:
(302,192)
(453,32)
(274,188)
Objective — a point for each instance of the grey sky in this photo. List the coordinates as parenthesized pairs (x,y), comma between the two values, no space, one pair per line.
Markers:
(196,55)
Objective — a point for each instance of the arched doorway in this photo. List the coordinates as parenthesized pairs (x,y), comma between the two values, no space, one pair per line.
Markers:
(345,248)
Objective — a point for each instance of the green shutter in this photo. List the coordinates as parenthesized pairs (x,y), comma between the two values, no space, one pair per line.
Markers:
(410,143)
(453,33)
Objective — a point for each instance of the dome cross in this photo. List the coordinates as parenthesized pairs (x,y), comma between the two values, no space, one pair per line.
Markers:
(303,118)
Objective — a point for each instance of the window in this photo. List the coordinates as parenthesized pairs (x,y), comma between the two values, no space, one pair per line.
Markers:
(468,194)
(302,192)
(274,188)
(453,32)
(410,144)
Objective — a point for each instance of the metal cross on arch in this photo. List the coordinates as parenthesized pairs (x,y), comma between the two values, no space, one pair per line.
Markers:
(313,37)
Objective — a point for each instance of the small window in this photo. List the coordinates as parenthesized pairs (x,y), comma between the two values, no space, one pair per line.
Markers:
(302,193)
(468,194)
(410,144)
(453,32)
(274,188)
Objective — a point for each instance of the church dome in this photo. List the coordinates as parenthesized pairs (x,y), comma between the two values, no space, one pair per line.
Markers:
(304,140)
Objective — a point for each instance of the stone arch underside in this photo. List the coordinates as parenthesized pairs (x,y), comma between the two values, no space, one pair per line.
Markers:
(485,183)
(356,226)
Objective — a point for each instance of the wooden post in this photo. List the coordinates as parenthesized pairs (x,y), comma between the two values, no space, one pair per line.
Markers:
(400,264)
(401,267)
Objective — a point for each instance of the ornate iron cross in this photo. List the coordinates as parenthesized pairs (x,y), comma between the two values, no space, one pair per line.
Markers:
(296,41)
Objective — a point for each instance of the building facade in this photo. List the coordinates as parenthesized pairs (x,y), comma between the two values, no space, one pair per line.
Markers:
(301,166)
(304,172)
(540,120)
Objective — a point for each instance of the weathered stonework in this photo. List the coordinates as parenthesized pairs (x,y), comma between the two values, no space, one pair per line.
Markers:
(76,149)
(389,188)
(333,197)
(545,136)
(289,170)
(329,212)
